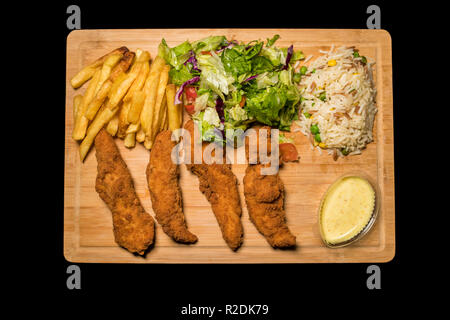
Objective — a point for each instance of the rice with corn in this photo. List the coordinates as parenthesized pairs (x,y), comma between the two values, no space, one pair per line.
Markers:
(338,97)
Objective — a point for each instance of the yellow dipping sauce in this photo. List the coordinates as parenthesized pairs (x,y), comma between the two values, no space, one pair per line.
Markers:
(346,209)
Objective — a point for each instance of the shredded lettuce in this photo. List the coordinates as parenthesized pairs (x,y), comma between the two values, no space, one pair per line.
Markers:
(237,113)
(237,83)
(213,74)
(177,56)
(209,44)
(205,120)
(276,55)
(271,41)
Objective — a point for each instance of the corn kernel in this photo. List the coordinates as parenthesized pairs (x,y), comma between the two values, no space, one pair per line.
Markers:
(332,63)
(322,145)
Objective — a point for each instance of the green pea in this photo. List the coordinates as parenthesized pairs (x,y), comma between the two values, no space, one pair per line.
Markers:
(363,60)
(317,137)
(323,96)
(314,129)
(303,70)
(345,151)
(313,71)
(356,54)
(297,77)
(307,115)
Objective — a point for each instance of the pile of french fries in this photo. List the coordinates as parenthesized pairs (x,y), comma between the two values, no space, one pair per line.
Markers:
(129,94)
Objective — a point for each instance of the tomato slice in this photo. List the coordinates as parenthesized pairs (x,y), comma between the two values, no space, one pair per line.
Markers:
(191,94)
(190,108)
(288,152)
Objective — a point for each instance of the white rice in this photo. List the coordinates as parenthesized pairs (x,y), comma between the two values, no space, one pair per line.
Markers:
(345,119)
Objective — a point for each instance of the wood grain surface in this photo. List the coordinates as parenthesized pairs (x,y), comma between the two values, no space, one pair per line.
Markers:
(88,234)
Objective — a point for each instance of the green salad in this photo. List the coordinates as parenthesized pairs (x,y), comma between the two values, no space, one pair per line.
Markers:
(230,85)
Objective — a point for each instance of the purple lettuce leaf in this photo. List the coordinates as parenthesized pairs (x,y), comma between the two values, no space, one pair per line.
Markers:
(290,51)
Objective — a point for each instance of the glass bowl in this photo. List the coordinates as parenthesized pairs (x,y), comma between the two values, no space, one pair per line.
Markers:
(372,219)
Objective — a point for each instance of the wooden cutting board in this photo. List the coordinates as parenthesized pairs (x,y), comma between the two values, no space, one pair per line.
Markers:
(88,235)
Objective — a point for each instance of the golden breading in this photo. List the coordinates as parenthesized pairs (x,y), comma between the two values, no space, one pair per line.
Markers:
(219,184)
(264,195)
(165,191)
(134,229)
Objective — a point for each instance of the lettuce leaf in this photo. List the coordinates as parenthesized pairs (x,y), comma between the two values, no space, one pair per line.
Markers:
(213,75)
(276,56)
(206,124)
(180,76)
(176,56)
(275,106)
(235,62)
(209,44)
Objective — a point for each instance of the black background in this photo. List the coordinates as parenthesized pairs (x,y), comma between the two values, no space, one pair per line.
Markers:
(285,288)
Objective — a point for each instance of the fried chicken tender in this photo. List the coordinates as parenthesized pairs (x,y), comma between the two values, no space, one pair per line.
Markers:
(264,195)
(219,184)
(165,191)
(134,228)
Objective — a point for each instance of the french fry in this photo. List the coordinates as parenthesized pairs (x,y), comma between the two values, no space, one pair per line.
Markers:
(180,108)
(116,73)
(130,140)
(144,56)
(160,101)
(137,102)
(113,125)
(133,128)
(123,119)
(140,135)
(115,85)
(150,89)
(88,72)
(98,100)
(118,93)
(81,122)
(76,105)
(139,83)
(123,65)
(174,112)
(107,67)
(163,114)
(164,122)
(148,143)
(104,116)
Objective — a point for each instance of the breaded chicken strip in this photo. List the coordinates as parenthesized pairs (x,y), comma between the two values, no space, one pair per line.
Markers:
(165,192)
(264,195)
(134,229)
(219,184)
